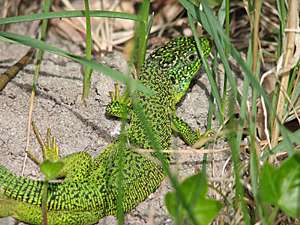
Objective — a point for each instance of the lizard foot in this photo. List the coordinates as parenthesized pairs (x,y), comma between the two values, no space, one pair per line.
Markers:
(50,151)
(119,107)
(208,136)
(76,166)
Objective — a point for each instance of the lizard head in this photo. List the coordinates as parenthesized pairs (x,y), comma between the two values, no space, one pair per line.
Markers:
(180,61)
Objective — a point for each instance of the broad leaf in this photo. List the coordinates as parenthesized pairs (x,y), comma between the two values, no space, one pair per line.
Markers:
(194,190)
(282,186)
(51,169)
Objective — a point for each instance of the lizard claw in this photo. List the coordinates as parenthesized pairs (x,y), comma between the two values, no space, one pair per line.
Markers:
(50,151)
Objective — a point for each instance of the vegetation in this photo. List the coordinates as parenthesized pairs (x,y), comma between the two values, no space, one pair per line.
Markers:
(262,185)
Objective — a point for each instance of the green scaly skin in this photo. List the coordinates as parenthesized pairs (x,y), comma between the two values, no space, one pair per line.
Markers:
(89,191)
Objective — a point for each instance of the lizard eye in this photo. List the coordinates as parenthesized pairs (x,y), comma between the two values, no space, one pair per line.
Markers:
(192,57)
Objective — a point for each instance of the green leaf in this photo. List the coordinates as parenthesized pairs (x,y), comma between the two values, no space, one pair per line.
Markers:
(287,178)
(196,2)
(51,169)
(172,203)
(194,190)
(282,186)
(206,210)
(269,192)
(214,2)
(194,186)
(222,13)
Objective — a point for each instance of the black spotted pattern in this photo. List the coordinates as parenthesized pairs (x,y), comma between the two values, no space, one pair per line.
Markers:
(90,192)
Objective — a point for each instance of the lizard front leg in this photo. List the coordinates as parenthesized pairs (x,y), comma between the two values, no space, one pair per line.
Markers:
(189,136)
(76,165)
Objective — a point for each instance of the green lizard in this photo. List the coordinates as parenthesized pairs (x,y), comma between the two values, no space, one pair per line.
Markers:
(89,190)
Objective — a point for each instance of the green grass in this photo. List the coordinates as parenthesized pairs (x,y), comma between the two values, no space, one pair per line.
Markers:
(267,193)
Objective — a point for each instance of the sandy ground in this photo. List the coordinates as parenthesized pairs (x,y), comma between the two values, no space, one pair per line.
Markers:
(57,105)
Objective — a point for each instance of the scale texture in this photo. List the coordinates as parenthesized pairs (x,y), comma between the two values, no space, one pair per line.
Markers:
(90,188)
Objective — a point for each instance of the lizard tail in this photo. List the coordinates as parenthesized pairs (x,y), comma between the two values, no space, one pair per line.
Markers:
(15,187)
(17,194)
(21,198)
